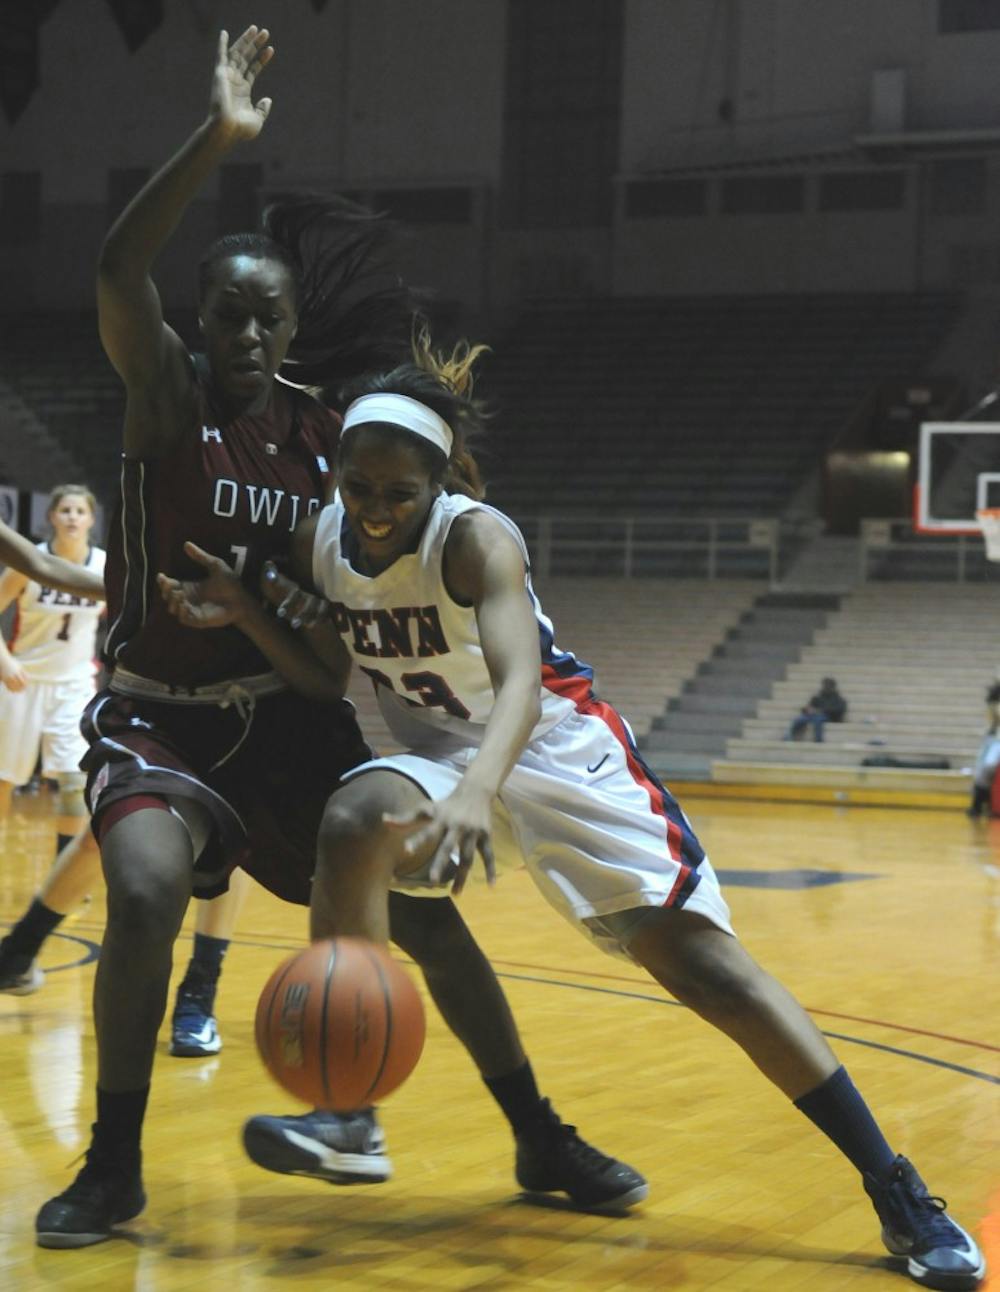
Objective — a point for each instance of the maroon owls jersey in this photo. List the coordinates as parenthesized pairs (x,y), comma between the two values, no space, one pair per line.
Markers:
(238,489)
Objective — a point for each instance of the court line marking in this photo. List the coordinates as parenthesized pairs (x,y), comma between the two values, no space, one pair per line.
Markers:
(93,950)
(665,1000)
(839,1036)
(611,977)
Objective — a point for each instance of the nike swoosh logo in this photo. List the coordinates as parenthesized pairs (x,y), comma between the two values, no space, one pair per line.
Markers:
(597,766)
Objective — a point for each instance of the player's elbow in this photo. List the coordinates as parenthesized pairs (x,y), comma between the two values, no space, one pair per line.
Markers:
(530,705)
(119,267)
(110,262)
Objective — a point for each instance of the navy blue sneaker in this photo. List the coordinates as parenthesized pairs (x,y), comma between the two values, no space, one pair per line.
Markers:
(341,1148)
(194,1032)
(103,1195)
(938,1252)
(552,1158)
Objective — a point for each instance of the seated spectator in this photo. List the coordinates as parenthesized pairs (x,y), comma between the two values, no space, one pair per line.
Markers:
(988,759)
(827,705)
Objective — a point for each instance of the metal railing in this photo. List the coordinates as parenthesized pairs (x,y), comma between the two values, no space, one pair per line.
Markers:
(730,547)
(890,550)
(650,547)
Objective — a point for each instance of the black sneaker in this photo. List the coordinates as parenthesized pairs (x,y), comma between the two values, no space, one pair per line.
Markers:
(18,978)
(552,1158)
(194,1032)
(939,1253)
(103,1195)
(341,1148)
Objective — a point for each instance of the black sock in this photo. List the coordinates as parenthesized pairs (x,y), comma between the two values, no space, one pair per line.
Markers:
(838,1110)
(25,939)
(118,1129)
(204,968)
(62,840)
(518,1097)
(206,958)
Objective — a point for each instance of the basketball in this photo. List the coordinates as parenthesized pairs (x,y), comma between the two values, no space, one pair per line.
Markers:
(340,1025)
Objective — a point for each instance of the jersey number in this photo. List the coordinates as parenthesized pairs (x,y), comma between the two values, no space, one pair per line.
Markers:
(431,690)
(63,634)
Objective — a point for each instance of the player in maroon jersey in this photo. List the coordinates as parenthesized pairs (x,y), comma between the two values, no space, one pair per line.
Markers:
(200,756)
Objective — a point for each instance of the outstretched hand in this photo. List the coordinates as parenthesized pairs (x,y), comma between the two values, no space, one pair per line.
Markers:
(216,601)
(459,826)
(237,66)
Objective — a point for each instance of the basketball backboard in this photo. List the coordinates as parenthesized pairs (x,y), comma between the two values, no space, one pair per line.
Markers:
(958,474)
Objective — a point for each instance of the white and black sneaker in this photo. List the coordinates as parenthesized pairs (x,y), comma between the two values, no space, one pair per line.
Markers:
(341,1148)
(915,1226)
(194,1032)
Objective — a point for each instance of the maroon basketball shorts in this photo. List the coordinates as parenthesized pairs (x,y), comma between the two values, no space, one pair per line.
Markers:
(264,770)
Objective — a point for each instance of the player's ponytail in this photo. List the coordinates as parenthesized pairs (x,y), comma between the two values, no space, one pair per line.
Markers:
(454,372)
(444,382)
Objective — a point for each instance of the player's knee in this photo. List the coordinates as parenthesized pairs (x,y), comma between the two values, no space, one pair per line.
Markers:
(148,878)
(349,830)
(71,800)
(144,907)
(716,988)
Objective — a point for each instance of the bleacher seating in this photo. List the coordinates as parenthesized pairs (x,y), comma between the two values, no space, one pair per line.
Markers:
(689,405)
(921,558)
(54,362)
(914,667)
(677,406)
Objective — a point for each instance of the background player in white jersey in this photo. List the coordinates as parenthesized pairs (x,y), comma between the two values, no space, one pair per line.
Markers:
(430,594)
(35,561)
(48,671)
(47,664)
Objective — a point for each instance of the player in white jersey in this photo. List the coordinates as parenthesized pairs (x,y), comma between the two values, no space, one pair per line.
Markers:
(47,664)
(47,670)
(430,595)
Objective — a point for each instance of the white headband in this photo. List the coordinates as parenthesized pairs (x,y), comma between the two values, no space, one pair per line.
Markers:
(401,410)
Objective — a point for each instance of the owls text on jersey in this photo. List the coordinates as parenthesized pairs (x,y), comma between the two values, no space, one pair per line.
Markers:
(235,487)
(53,634)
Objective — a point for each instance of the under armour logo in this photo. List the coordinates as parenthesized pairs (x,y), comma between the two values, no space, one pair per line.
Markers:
(271,448)
(211,433)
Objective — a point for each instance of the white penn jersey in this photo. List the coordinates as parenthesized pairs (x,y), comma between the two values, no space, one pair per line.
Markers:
(53,638)
(420,648)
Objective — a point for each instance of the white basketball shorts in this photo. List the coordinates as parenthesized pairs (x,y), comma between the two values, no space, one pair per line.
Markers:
(580,813)
(44,715)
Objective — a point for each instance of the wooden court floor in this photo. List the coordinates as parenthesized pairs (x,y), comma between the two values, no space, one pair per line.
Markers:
(885,923)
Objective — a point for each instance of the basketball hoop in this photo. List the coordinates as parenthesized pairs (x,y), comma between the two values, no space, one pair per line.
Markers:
(989,523)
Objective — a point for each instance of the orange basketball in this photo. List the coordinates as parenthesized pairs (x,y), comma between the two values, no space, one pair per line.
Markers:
(340,1025)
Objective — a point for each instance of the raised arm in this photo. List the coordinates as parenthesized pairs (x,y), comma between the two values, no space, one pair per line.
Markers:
(31,562)
(149,356)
